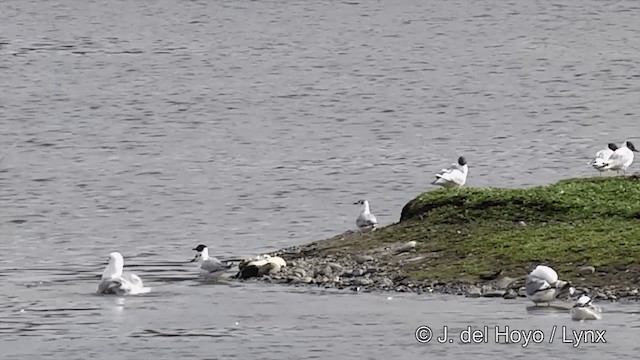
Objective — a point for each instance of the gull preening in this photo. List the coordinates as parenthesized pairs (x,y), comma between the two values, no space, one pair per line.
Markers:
(542,285)
(584,309)
(114,281)
(621,158)
(366,219)
(210,267)
(455,176)
(599,161)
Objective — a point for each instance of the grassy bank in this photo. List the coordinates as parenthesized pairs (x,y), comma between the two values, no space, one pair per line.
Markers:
(465,234)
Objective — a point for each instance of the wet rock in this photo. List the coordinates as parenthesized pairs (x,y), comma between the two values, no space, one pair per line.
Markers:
(522,292)
(586,270)
(299,272)
(504,282)
(357,272)
(347,273)
(361,259)
(522,223)
(363,281)
(473,291)
(371,270)
(510,294)
(326,271)
(387,282)
(335,267)
(494,293)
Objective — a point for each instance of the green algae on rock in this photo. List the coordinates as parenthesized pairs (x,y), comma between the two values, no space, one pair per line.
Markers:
(464,235)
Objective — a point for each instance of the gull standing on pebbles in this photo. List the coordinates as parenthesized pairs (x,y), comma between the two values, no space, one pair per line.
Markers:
(366,219)
(455,176)
(210,267)
(622,158)
(585,310)
(542,285)
(114,281)
(600,160)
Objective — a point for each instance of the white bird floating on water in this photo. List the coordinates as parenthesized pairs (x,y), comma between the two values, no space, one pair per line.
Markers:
(600,160)
(114,281)
(622,158)
(455,176)
(366,219)
(585,310)
(542,285)
(210,267)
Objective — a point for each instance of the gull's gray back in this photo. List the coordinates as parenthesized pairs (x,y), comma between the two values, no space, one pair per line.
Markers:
(533,284)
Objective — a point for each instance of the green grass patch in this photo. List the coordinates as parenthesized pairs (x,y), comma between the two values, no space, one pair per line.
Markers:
(464,233)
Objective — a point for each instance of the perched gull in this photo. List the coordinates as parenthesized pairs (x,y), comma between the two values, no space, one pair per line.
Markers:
(621,158)
(210,267)
(366,219)
(114,281)
(600,160)
(543,286)
(454,176)
(585,310)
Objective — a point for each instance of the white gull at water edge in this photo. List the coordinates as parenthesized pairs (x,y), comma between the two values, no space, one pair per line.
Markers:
(365,219)
(455,176)
(210,267)
(599,161)
(114,281)
(622,158)
(542,285)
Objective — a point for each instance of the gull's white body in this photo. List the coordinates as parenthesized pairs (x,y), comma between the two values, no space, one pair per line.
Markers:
(599,162)
(455,176)
(366,219)
(114,281)
(585,310)
(542,285)
(210,267)
(621,159)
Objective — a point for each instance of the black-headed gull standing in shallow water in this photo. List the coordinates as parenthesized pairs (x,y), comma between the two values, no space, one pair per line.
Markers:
(542,285)
(365,219)
(585,310)
(455,176)
(622,158)
(210,267)
(599,161)
(114,281)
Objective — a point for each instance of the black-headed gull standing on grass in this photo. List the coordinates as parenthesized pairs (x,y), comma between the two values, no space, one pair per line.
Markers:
(455,176)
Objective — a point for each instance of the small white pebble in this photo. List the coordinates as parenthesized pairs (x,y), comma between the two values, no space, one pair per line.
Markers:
(390,298)
(237,323)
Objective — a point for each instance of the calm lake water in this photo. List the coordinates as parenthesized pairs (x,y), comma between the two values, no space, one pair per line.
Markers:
(148,127)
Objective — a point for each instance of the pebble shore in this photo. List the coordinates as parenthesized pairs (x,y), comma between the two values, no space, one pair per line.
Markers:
(365,273)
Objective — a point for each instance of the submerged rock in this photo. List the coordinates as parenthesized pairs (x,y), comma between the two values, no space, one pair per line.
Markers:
(473,291)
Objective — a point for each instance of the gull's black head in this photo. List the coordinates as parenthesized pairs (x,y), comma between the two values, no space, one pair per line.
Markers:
(631,147)
(359,202)
(199,247)
(462,161)
(612,146)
